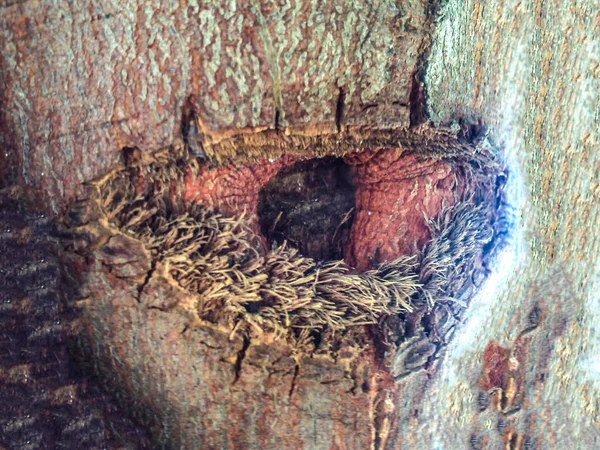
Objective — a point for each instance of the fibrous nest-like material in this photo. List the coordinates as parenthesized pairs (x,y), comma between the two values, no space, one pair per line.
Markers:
(234,280)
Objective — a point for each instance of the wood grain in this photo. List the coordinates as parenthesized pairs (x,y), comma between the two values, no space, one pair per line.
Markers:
(531,72)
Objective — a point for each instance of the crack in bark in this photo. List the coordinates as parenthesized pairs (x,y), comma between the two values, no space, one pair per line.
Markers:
(143,285)
(189,129)
(294,378)
(339,109)
(277,119)
(237,368)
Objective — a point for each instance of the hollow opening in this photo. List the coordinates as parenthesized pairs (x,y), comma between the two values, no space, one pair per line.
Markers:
(408,221)
(309,205)
(415,217)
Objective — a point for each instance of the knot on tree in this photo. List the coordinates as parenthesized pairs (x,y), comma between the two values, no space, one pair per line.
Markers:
(304,238)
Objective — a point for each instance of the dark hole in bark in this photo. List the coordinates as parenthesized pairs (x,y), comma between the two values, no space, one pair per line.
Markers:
(310,205)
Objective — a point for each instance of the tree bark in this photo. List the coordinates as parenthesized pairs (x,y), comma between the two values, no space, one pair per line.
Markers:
(80,82)
(530,71)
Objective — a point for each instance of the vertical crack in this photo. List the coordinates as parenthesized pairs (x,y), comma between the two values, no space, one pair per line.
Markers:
(237,368)
(277,119)
(294,378)
(142,286)
(339,109)
(189,129)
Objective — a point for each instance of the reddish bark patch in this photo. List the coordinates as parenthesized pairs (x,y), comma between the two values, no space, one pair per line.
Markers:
(233,190)
(397,192)
(495,360)
(504,372)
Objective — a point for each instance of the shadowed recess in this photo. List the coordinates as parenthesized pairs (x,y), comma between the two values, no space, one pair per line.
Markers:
(310,205)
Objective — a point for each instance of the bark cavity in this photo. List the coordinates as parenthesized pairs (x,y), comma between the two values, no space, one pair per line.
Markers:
(386,232)
(310,205)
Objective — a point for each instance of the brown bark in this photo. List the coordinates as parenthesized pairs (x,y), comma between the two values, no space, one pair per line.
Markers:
(80,82)
(221,358)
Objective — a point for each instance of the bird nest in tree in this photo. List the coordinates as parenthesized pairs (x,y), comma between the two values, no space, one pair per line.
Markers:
(304,239)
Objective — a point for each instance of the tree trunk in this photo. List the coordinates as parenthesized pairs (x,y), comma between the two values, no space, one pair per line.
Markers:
(530,71)
(78,83)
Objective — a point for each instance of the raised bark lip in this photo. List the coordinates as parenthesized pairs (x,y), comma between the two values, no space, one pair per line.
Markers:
(148,192)
(120,268)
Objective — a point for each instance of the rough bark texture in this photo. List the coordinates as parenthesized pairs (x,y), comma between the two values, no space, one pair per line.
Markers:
(225,394)
(46,401)
(79,81)
(531,72)
(154,288)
